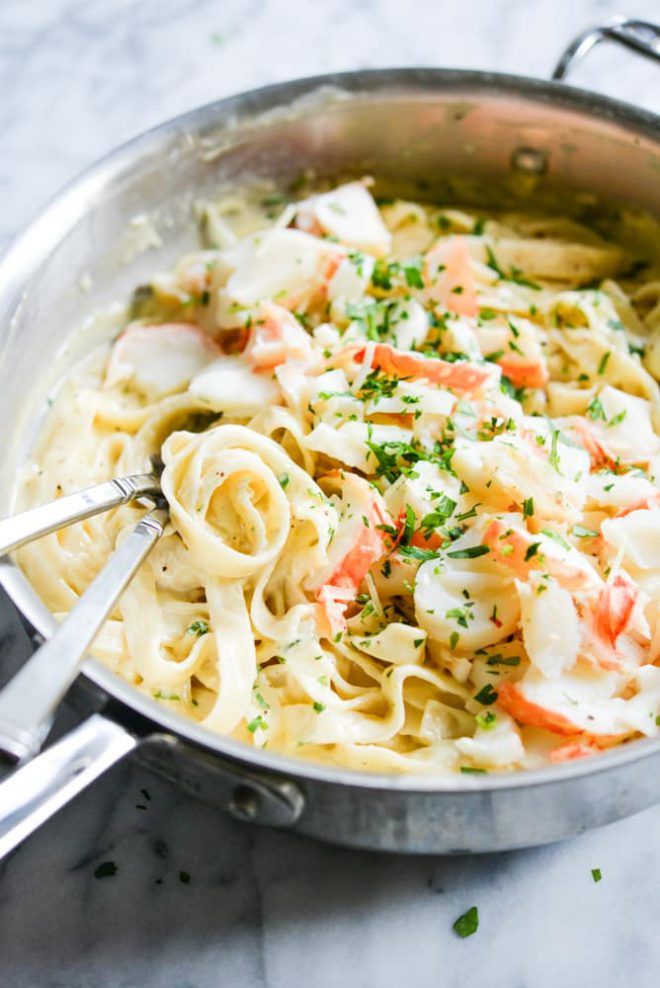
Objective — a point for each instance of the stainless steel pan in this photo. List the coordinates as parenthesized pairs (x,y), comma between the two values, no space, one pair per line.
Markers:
(534,141)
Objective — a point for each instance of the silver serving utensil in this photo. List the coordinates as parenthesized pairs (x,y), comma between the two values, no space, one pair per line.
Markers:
(29,701)
(47,518)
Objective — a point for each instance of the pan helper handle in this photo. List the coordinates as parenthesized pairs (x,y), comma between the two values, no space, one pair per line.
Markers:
(641,37)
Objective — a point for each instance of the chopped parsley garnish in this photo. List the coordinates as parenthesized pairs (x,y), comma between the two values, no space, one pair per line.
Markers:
(515,275)
(274,199)
(373,316)
(284,481)
(486,695)
(356,257)
(528,507)
(595,409)
(584,533)
(385,274)
(395,458)
(409,526)
(257,723)
(486,720)
(501,660)
(508,388)
(416,552)
(198,628)
(381,276)
(470,513)
(460,614)
(319,707)
(443,509)
(603,362)
(532,551)
(617,419)
(377,385)
(556,536)
(554,455)
(472,552)
(596,874)
(468,923)
(413,273)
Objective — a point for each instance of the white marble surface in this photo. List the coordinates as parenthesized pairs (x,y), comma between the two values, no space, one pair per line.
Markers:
(262,908)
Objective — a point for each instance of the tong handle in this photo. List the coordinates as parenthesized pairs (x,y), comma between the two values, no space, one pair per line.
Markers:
(47,518)
(29,701)
(34,792)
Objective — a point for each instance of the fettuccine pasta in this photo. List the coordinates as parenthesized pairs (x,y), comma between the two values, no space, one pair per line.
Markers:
(412,462)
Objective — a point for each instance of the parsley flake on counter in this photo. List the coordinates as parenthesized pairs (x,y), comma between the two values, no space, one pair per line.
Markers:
(468,923)
(107,869)
(596,874)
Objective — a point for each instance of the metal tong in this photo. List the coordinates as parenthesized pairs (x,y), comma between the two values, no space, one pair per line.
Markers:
(29,701)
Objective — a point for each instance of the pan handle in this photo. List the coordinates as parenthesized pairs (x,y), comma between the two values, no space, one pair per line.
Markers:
(35,791)
(38,789)
(638,36)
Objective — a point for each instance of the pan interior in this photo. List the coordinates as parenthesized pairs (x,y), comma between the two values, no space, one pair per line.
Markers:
(456,138)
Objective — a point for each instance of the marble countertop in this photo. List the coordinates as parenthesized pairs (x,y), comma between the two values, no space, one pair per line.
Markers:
(198,900)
